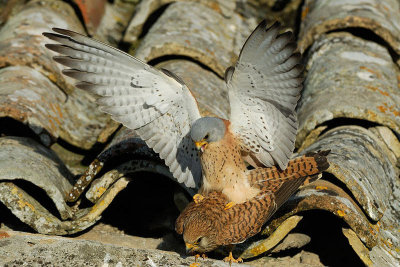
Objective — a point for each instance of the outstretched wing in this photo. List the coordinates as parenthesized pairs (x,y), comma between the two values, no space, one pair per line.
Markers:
(264,87)
(155,103)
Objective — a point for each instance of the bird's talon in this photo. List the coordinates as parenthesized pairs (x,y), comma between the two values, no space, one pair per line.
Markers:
(229,205)
(197,198)
(231,259)
(204,256)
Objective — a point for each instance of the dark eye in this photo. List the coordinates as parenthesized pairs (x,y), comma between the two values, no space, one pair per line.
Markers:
(206,137)
(199,240)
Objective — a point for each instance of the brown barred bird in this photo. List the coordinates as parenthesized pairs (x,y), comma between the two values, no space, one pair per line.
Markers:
(207,224)
(263,87)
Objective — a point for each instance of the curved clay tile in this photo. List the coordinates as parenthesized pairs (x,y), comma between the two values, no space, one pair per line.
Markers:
(22,42)
(348,77)
(381,17)
(364,163)
(145,9)
(29,97)
(199,33)
(23,158)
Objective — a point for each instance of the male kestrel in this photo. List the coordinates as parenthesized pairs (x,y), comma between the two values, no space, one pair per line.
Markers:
(264,87)
(207,224)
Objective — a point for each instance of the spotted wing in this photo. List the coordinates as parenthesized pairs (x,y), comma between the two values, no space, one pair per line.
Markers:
(155,103)
(264,87)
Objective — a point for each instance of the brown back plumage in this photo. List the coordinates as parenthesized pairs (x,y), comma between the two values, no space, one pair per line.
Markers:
(209,217)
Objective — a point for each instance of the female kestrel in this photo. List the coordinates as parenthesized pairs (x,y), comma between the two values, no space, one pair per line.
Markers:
(264,87)
(207,225)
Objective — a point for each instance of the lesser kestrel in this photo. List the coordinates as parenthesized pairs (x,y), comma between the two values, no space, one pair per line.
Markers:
(264,87)
(207,224)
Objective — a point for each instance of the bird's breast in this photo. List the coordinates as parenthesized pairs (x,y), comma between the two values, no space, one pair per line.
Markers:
(224,170)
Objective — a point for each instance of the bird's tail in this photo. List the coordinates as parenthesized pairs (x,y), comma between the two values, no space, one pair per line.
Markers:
(308,167)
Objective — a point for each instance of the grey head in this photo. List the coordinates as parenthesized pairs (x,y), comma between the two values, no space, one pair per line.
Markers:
(208,129)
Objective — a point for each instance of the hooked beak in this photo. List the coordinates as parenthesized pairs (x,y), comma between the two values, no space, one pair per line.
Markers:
(201,145)
(190,248)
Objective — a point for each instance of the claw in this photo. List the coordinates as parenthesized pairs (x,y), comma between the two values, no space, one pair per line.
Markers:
(231,259)
(229,205)
(197,198)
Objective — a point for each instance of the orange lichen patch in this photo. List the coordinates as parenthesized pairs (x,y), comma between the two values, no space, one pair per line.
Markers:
(382,109)
(385,107)
(211,52)
(52,77)
(52,125)
(371,71)
(21,203)
(398,80)
(373,229)
(258,250)
(376,89)
(58,108)
(321,187)
(97,206)
(396,113)
(371,114)
(14,113)
(304,12)
(341,213)
(4,234)
(215,6)
(188,42)
(387,243)
(100,191)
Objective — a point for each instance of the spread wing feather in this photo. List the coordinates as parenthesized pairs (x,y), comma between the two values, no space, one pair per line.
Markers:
(264,87)
(154,102)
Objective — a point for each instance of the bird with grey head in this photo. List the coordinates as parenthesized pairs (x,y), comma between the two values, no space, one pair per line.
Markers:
(206,130)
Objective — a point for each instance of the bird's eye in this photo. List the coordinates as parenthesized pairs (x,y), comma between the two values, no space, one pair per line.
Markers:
(199,240)
(206,137)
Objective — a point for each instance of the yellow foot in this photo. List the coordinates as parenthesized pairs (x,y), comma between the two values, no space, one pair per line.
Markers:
(197,198)
(204,256)
(229,205)
(231,259)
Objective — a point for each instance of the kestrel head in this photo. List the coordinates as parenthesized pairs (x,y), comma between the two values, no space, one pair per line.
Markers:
(206,130)
(199,234)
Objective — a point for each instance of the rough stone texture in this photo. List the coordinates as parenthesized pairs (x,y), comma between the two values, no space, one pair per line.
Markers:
(352,147)
(199,33)
(349,77)
(146,8)
(114,21)
(22,158)
(358,246)
(39,250)
(259,247)
(29,97)
(381,17)
(22,43)
(323,195)
(376,187)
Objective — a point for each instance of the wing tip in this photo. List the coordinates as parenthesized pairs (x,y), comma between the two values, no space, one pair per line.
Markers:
(63,31)
(228,73)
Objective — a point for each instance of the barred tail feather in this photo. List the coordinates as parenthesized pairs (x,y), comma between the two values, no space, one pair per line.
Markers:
(311,164)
